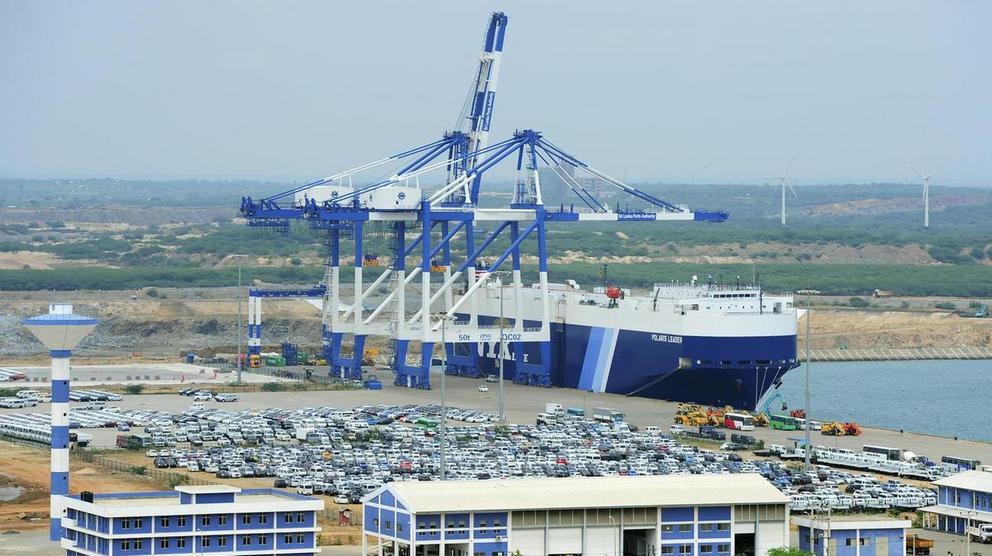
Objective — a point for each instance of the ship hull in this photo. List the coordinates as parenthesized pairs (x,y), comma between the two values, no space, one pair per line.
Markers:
(713,370)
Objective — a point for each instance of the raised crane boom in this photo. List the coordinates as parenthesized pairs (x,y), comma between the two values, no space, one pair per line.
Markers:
(477,111)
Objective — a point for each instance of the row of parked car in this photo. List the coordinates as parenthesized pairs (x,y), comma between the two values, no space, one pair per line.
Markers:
(207,395)
(348,452)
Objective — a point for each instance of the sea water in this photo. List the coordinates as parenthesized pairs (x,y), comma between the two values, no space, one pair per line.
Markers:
(946,398)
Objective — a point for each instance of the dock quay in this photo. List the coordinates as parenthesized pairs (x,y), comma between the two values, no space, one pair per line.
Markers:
(900,354)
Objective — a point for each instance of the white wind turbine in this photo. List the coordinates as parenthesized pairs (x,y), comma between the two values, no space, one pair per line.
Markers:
(926,196)
(784,179)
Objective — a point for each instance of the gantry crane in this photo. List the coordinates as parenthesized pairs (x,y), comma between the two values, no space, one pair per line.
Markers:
(429,225)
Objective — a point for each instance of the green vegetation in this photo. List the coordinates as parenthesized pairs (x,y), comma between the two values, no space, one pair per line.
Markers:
(134,388)
(858,302)
(788,551)
(273,387)
(138,470)
(946,305)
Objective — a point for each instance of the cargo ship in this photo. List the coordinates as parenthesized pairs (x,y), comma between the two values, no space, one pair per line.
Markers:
(691,342)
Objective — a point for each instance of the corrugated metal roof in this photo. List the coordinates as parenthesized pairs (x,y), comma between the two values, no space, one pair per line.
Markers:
(585,492)
(971,480)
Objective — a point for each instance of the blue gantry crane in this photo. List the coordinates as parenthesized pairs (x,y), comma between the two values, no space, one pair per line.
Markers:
(433,231)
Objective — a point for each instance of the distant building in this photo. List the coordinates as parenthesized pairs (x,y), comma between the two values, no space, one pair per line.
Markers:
(191,520)
(699,515)
(843,536)
(554,190)
(963,500)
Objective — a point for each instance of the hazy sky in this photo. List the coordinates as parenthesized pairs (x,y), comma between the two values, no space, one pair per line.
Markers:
(688,90)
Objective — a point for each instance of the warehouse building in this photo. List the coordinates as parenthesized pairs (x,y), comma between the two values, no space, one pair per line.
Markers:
(191,520)
(846,536)
(671,515)
(963,500)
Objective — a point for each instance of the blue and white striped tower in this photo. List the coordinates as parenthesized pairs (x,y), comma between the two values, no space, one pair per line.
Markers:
(61,331)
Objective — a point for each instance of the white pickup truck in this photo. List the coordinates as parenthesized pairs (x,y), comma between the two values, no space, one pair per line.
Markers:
(981,533)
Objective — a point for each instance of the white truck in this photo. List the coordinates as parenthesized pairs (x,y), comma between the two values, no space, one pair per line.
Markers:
(608,415)
(981,533)
(554,409)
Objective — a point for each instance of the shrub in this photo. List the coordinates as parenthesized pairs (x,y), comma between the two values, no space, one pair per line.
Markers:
(176,480)
(273,387)
(138,469)
(858,302)
(134,388)
(151,292)
(946,305)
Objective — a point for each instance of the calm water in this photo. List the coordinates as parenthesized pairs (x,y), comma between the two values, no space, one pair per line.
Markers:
(947,398)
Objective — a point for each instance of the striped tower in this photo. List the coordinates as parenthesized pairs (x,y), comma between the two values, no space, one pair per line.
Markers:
(254,324)
(60,330)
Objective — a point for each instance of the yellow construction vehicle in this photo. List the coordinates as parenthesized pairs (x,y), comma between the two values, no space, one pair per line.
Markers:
(369,355)
(254,361)
(833,429)
(761,420)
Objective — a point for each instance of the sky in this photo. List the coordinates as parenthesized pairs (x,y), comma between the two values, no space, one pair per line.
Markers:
(700,91)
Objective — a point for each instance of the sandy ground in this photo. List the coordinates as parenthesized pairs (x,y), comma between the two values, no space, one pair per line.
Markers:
(28,466)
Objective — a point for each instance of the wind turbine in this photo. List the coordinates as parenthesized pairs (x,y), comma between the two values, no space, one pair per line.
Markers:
(784,179)
(926,196)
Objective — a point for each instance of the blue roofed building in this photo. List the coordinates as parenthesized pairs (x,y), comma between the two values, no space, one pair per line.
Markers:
(198,520)
(676,515)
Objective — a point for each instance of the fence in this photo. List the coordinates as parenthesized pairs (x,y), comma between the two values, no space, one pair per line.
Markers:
(140,470)
(900,354)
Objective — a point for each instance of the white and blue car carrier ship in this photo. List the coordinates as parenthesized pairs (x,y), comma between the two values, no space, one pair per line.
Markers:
(693,342)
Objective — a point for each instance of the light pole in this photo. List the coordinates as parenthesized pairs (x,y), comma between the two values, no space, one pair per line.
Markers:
(807,451)
(616,539)
(239,358)
(502,348)
(442,436)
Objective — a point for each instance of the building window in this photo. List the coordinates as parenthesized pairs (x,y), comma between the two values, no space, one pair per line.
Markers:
(287,517)
(263,519)
(221,541)
(164,522)
(723,548)
(180,542)
(246,540)
(389,524)
(287,539)
(126,544)
(497,522)
(300,538)
(139,544)
(723,527)
(685,528)
(685,549)
(705,548)
(666,528)
(126,523)
(263,539)
(205,520)
(181,521)
(848,542)
(139,523)
(399,527)
(375,522)
(667,549)
(204,541)
(705,528)
(300,518)
(245,519)
(863,541)
(451,525)
(482,523)
(222,520)
(163,543)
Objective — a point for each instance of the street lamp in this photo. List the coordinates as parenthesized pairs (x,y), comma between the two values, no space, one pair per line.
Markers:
(809,414)
(239,358)
(442,436)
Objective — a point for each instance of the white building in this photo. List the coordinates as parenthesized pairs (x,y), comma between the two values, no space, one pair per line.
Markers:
(216,519)
(699,515)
